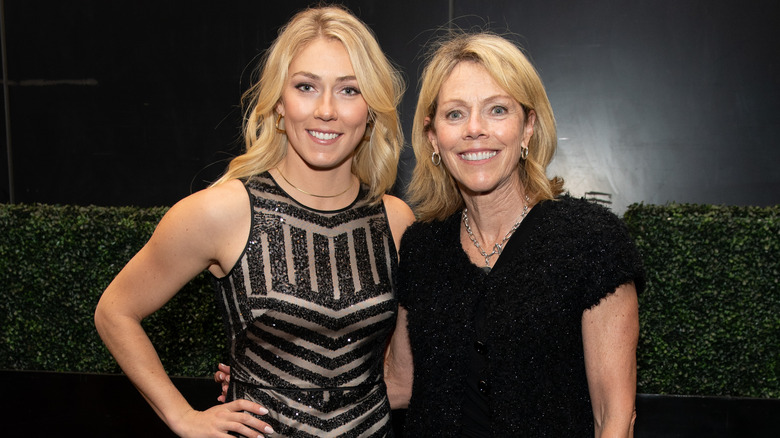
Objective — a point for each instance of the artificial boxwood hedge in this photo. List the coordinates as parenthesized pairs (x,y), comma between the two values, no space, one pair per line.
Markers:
(55,261)
(709,319)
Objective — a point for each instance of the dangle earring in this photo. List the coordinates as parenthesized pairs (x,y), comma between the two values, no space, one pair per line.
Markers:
(435,158)
(276,125)
(523,152)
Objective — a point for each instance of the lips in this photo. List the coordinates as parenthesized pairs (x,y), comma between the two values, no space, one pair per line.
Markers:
(323,135)
(476,156)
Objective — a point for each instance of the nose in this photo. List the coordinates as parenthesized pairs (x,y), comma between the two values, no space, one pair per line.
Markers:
(475,126)
(325,108)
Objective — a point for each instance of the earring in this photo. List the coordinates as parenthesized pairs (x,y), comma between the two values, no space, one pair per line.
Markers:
(435,158)
(369,131)
(276,125)
(523,152)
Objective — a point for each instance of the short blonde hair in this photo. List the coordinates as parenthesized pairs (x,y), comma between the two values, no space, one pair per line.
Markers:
(376,159)
(433,193)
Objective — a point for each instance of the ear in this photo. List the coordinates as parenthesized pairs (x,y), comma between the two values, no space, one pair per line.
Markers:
(280,107)
(431,133)
(528,128)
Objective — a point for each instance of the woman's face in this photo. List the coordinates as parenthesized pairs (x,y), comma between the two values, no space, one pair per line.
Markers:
(324,113)
(478,129)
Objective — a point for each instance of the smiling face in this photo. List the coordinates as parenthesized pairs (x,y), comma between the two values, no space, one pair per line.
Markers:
(324,113)
(479,129)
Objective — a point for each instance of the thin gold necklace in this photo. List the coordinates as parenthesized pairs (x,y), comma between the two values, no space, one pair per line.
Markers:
(310,194)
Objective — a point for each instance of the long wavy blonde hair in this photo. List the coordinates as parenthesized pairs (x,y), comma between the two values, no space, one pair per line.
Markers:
(433,193)
(376,159)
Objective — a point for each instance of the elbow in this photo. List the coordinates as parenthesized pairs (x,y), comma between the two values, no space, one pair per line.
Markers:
(104,318)
(614,426)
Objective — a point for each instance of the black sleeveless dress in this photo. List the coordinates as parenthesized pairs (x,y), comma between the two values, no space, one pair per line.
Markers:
(308,309)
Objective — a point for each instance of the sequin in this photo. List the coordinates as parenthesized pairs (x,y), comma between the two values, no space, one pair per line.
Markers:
(308,310)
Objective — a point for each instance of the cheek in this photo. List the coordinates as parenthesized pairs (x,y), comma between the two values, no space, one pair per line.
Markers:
(357,115)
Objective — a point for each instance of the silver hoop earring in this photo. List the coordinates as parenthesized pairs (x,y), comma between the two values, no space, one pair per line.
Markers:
(276,125)
(523,153)
(435,158)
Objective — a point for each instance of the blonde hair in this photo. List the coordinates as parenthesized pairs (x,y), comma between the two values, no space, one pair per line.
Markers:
(432,192)
(375,161)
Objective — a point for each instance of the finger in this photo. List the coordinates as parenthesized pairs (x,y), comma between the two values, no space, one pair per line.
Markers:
(246,405)
(252,423)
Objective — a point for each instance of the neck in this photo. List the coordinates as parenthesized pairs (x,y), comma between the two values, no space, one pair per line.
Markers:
(492,215)
(319,189)
(490,238)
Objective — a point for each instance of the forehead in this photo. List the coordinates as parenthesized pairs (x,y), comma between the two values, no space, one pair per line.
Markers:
(469,79)
(321,56)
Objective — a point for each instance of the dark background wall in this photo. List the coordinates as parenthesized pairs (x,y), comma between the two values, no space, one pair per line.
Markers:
(136,102)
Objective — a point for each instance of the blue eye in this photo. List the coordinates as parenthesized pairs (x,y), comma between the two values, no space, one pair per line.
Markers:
(453,115)
(499,110)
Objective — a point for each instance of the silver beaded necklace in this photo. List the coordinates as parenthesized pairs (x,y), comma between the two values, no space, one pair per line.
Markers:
(498,247)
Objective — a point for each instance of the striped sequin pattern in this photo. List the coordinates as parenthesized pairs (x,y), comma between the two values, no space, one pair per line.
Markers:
(308,310)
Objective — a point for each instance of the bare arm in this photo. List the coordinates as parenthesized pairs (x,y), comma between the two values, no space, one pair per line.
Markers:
(399,369)
(398,356)
(192,236)
(610,332)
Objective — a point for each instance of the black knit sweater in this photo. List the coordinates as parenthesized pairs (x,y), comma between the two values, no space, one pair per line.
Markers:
(566,256)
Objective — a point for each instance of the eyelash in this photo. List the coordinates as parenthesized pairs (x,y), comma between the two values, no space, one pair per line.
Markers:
(349,91)
(450,115)
(302,85)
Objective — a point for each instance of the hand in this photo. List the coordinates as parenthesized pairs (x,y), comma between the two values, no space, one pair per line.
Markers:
(217,421)
(222,376)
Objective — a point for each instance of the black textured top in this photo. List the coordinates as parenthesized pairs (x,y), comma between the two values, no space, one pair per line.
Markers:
(566,256)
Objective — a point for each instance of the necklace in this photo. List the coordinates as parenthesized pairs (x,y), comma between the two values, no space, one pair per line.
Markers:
(311,194)
(498,247)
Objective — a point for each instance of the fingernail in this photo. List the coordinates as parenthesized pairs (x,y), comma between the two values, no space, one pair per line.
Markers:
(264,411)
(268,430)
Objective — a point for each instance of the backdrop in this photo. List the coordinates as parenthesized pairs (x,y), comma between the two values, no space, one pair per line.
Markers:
(136,102)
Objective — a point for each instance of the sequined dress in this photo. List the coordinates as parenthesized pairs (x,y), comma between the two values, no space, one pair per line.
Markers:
(308,309)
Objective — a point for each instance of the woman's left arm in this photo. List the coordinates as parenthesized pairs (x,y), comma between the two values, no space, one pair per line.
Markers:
(610,332)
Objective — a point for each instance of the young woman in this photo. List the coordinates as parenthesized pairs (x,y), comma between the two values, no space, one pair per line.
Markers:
(301,238)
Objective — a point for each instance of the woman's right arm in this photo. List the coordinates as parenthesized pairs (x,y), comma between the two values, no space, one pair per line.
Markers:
(194,235)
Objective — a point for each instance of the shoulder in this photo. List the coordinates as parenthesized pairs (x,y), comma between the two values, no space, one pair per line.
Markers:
(209,214)
(214,204)
(433,235)
(398,211)
(399,216)
(580,216)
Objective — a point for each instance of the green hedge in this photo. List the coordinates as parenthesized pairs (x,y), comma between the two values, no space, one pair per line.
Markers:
(55,261)
(710,317)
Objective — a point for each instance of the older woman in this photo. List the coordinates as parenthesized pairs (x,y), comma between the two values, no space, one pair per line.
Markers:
(520,302)
(301,238)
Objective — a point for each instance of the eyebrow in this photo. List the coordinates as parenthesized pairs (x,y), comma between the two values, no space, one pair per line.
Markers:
(489,99)
(312,76)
